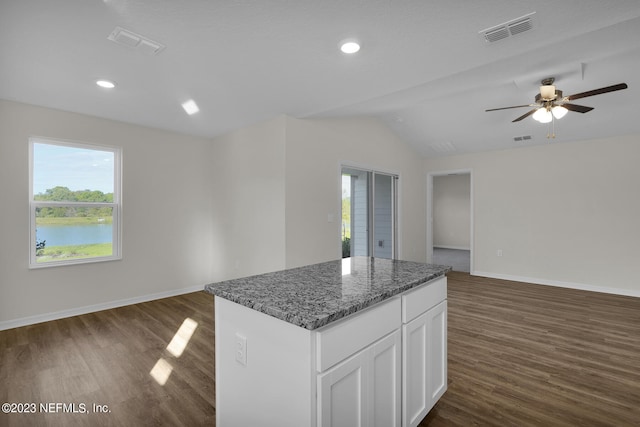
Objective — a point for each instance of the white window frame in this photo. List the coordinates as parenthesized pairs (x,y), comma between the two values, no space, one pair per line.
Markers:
(116,205)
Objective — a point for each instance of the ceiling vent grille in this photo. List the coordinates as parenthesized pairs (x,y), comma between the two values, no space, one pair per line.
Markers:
(497,34)
(520,26)
(136,41)
(508,29)
(443,147)
(523,138)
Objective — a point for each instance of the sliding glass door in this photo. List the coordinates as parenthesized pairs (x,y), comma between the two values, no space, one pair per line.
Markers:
(369,213)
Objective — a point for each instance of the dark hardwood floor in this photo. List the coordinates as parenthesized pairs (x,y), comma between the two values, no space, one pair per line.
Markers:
(106,358)
(531,355)
(519,355)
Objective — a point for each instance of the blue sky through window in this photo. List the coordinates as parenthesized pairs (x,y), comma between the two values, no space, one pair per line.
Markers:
(73,167)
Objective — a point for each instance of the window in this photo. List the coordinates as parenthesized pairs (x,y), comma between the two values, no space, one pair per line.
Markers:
(369,213)
(74,203)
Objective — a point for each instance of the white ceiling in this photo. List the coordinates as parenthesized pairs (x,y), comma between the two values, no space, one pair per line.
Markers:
(423,67)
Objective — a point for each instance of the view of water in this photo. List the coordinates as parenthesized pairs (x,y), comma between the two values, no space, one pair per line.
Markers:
(56,235)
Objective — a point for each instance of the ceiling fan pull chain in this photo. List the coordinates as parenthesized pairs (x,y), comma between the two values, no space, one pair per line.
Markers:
(551,130)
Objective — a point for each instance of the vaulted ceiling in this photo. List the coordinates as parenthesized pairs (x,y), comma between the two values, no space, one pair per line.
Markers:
(424,66)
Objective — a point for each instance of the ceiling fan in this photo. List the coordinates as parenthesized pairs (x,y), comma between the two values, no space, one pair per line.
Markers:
(550,103)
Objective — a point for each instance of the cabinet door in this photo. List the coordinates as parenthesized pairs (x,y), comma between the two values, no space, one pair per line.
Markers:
(424,370)
(414,371)
(343,393)
(437,352)
(364,390)
(384,363)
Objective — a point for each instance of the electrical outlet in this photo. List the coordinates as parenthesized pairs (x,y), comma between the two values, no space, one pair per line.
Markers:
(499,252)
(241,349)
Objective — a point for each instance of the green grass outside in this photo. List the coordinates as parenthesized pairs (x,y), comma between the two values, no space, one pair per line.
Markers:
(62,253)
(78,220)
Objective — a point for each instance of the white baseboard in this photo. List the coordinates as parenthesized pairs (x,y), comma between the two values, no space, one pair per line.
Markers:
(560,284)
(459,248)
(32,320)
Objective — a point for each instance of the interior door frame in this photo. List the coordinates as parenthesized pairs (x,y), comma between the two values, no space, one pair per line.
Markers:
(430,177)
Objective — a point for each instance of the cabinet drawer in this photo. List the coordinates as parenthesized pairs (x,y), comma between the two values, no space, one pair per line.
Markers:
(340,340)
(418,300)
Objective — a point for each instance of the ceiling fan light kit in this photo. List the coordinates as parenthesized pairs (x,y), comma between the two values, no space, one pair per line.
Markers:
(559,111)
(550,104)
(548,92)
(542,115)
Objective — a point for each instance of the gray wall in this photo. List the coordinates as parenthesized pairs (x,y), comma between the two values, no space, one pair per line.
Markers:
(562,213)
(167,227)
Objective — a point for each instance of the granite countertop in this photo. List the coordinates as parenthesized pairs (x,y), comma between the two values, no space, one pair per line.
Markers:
(316,295)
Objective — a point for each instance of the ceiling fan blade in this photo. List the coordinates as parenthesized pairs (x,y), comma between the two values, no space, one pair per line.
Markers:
(507,108)
(577,108)
(607,89)
(524,116)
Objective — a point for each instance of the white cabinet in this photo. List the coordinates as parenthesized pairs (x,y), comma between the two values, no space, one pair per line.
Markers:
(343,394)
(386,373)
(414,372)
(424,373)
(437,363)
(363,390)
(384,366)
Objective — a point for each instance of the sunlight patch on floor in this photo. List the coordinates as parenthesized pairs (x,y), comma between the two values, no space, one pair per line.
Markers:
(162,369)
(182,337)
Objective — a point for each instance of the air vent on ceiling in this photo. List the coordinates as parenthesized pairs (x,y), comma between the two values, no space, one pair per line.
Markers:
(136,41)
(508,29)
(443,147)
(523,138)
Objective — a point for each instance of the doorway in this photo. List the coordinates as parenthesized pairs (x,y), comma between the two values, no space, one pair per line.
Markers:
(450,219)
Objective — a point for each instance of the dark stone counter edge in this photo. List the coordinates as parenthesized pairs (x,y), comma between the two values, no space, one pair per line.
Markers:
(314,322)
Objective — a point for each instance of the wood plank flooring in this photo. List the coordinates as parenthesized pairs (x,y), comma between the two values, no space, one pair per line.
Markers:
(531,355)
(106,358)
(519,355)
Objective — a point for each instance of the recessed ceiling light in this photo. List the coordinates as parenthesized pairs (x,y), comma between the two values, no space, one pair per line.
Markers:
(349,46)
(190,107)
(106,84)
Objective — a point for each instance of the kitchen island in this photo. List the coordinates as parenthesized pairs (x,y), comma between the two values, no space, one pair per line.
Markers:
(354,342)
